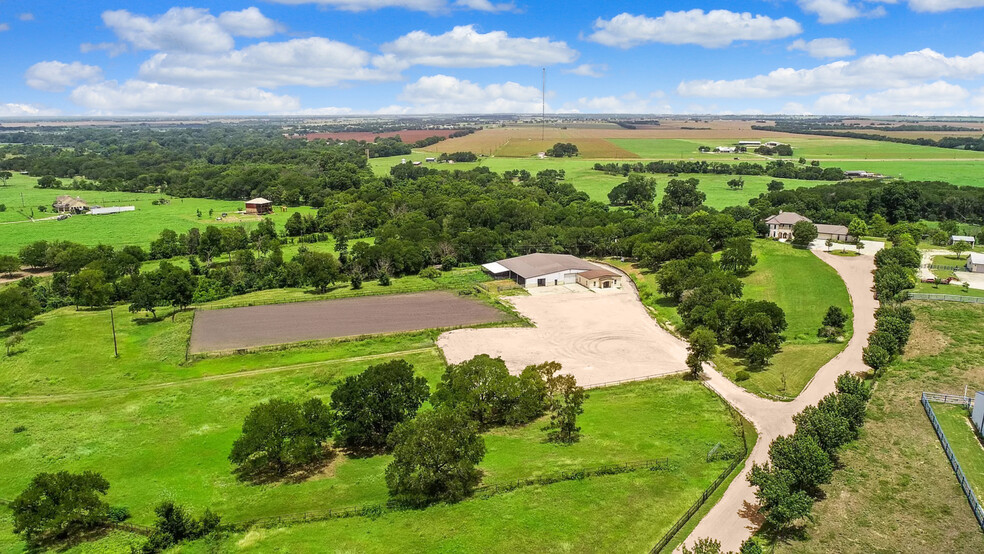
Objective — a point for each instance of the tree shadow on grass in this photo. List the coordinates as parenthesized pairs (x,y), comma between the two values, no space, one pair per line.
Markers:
(293,476)
(329,290)
(22,329)
(65,544)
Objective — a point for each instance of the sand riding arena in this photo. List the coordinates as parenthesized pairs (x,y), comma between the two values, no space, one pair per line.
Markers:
(598,336)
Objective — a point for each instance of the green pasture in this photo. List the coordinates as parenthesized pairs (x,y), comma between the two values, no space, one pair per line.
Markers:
(802,285)
(139,227)
(952,289)
(897,466)
(581,174)
(173,443)
(61,342)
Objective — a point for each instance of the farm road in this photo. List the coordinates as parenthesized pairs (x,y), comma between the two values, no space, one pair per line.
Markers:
(734,518)
(221,377)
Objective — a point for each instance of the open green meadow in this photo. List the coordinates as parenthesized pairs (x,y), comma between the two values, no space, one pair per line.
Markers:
(895,489)
(138,228)
(803,286)
(582,175)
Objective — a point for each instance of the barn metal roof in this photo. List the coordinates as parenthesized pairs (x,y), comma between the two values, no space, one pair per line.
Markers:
(534,265)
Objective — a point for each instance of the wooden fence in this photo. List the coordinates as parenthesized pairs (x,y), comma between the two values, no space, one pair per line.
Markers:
(975,506)
(702,499)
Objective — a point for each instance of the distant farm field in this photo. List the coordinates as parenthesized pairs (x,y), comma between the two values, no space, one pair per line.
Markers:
(594,148)
(138,227)
(408,135)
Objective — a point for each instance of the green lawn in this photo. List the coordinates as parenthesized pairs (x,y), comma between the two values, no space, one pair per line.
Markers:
(65,340)
(964,441)
(802,285)
(953,289)
(895,490)
(139,227)
(173,443)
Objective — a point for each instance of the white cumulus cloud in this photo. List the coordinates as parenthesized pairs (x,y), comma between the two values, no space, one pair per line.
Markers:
(55,76)
(868,72)
(26,16)
(924,99)
(314,62)
(943,5)
(25,110)
(588,70)
(188,29)
(824,47)
(142,97)
(446,94)
(432,6)
(626,103)
(713,29)
(463,46)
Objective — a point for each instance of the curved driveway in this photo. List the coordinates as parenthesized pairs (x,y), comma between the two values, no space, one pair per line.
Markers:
(734,518)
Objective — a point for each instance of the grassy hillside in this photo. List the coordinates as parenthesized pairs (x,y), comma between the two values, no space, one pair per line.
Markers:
(896,487)
(139,227)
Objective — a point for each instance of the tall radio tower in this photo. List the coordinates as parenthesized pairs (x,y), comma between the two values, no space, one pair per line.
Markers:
(543,105)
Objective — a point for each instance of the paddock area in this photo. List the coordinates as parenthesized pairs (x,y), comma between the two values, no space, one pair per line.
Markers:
(252,326)
(598,336)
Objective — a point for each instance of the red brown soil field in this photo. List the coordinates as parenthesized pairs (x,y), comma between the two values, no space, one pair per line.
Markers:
(409,135)
(489,141)
(236,328)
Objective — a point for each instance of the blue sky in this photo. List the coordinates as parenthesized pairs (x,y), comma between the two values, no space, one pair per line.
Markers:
(922,57)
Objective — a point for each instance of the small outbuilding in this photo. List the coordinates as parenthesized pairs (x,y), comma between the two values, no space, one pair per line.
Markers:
(259,206)
(599,279)
(975,262)
(977,414)
(963,238)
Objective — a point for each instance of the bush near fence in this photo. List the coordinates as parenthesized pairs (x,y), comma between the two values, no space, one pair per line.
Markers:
(975,505)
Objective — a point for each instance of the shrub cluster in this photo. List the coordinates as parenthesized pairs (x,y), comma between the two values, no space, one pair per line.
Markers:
(789,483)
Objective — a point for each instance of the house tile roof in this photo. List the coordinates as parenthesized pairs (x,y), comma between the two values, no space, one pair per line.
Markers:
(534,265)
(786,218)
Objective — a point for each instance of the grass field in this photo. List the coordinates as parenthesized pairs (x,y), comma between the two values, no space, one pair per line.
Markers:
(139,227)
(173,443)
(803,286)
(930,288)
(591,148)
(964,441)
(580,173)
(895,490)
(62,341)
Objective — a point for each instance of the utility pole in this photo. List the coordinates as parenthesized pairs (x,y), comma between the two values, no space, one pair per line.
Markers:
(112,319)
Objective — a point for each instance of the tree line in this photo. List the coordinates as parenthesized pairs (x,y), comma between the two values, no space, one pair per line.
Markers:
(961,143)
(780,169)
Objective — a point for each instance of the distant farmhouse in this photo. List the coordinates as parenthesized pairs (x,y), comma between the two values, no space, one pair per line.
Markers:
(781,227)
(975,262)
(259,206)
(65,204)
(543,270)
(863,175)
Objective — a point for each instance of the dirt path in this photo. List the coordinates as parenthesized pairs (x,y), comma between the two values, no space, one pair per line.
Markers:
(221,377)
(735,517)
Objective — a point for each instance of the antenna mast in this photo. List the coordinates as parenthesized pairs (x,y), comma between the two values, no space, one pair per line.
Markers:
(543,105)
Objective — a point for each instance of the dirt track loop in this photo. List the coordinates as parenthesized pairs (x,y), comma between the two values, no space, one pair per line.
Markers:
(597,336)
(233,328)
(734,518)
